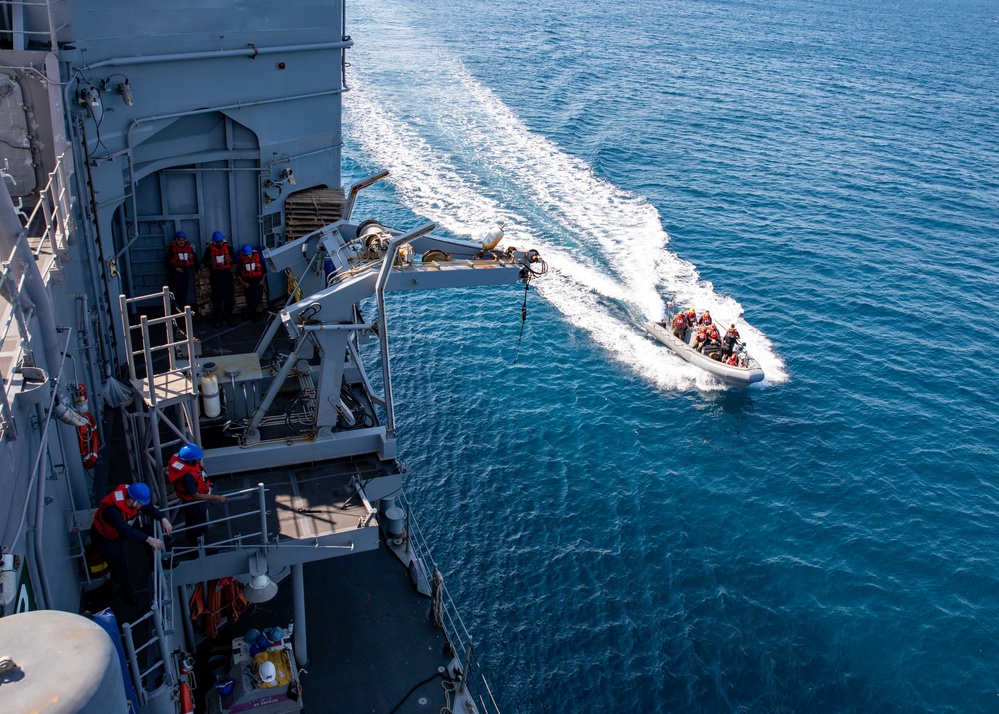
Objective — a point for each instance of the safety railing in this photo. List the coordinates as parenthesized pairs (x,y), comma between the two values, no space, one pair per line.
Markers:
(12,315)
(238,540)
(179,367)
(55,208)
(19,32)
(49,224)
(160,617)
(446,616)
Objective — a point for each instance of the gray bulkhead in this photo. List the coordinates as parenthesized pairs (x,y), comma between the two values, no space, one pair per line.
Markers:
(221,102)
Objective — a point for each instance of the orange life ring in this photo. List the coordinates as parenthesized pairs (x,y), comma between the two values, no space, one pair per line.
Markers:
(186,699)
(88,441)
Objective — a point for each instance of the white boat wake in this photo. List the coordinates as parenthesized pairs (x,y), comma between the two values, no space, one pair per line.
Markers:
(461,158)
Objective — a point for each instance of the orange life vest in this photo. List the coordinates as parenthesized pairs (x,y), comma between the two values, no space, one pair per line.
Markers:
(680,320)
(181,256)
(178,469)
(250,265)
(115,499)
(220,254)
(734,359)
(225,599)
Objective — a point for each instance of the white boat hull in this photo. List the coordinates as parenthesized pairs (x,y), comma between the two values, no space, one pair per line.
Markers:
(730,374)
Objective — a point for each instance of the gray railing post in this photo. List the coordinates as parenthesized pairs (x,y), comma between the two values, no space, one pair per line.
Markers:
(161,641)
(133,662)
(262,501)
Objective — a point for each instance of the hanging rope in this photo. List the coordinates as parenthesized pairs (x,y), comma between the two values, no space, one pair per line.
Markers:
(523,320)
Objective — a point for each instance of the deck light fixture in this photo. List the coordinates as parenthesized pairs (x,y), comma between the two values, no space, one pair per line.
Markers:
(260,588)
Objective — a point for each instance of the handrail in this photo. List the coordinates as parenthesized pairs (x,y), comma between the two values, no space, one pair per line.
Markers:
(51,32)
(453,626)
(161,607)
(58,215)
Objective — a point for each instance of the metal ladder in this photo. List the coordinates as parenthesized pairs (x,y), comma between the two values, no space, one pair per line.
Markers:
(173,385)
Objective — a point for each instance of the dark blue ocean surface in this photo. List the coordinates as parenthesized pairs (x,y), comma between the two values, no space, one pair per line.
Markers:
(620,532)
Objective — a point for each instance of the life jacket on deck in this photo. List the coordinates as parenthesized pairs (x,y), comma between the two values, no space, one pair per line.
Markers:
(178,468)
(181,256)
(221,256)
(734,359)
(115,499)
(225,599)
(250,266)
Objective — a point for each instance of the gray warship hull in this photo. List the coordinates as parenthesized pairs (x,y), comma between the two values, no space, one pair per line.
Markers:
(124,125)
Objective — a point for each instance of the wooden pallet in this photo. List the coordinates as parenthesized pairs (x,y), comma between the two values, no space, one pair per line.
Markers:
(203,294)
(310,210)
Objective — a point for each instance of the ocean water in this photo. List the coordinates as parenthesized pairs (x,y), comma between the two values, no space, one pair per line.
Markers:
(620,532)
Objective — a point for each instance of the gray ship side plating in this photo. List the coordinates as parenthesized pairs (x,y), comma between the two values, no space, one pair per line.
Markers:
(124,124)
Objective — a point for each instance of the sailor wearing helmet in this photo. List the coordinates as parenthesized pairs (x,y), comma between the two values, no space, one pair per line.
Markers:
(181,262)
(220,260)
(112,527)
(191,484)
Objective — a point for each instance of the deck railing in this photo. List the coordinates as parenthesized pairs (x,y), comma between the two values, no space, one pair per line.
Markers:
(160,616)
(450,621)
(48,226)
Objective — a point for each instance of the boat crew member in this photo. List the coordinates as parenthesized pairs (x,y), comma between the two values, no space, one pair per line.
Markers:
(679,325)
(220,259)
(112,527)
(714,336)
(705,319)
(251,275)
(181,262)
(729,340)
(700,339)
(190,483)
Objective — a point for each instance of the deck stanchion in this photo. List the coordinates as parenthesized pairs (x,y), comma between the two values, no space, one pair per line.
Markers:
(133,662)
(299,636)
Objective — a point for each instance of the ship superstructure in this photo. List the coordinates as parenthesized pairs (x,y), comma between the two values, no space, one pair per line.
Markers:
(124,125)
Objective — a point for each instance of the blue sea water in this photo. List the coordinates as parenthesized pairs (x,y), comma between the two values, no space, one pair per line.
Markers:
(620,532)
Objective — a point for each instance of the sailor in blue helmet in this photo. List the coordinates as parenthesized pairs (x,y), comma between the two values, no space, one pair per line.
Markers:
(251,275)
(112,527)
(191,484)
(220,260)
(181,262)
